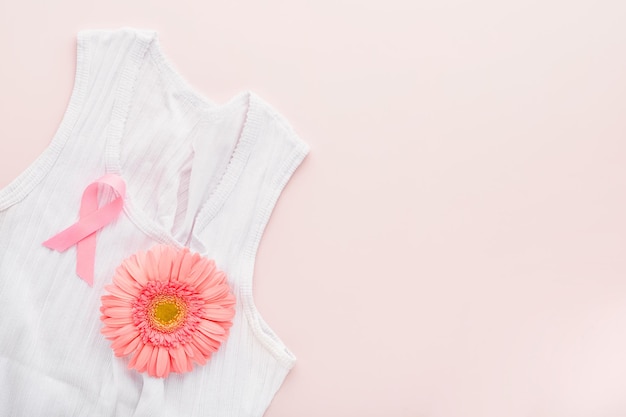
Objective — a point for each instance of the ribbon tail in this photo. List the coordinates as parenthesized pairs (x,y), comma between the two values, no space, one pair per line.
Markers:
(86,248)
(86,258)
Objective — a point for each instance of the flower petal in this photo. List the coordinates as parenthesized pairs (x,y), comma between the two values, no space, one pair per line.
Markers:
(151,266)
(134,267)
(200,272)
(185,266)
(118,312)
(117,321)
(214,278)
(178,259)
(178,359)
(143,356)
(189,366)
(124,281)
(209,328)
(165,262)
(213,293)
(132,346)
(117,292)
(152,362)
(198,356)
(218,313)
(203,345)
(188,350)
(163,362)
(118,331)
(112,301)
(210,342)
(120,343)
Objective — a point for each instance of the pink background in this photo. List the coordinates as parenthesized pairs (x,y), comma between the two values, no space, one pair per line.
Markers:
(454,245)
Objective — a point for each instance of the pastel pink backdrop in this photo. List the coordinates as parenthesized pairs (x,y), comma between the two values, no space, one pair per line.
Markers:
(454,245)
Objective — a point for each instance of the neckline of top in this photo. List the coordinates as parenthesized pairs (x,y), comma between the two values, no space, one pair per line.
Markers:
(251,125)
(27,180)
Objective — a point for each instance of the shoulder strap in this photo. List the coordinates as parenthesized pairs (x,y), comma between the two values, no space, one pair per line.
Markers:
(236,230)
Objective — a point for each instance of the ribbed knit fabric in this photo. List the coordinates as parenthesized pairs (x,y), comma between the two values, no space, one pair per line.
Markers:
(198,174)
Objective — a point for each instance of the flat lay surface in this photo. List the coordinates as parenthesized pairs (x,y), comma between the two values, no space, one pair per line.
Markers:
(453,244)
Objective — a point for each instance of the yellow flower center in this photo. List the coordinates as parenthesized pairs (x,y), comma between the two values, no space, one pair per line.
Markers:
(167,312)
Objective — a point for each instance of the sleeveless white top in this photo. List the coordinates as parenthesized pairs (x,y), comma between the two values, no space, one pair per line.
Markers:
(198,174)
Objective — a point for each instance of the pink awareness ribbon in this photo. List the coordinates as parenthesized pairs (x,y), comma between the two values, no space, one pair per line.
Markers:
(91,219)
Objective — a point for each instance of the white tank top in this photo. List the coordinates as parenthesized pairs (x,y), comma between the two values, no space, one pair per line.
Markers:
(198,175)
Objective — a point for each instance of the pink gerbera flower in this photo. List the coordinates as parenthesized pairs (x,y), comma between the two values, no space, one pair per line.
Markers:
(167,308)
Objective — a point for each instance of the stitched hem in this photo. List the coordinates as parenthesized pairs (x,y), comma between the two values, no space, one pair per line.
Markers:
(268,338)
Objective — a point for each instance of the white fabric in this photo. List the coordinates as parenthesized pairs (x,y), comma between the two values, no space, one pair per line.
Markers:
(198,174)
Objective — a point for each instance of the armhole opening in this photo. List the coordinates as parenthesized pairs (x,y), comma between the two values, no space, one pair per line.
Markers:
(264,333)
(261,329)
(26,180)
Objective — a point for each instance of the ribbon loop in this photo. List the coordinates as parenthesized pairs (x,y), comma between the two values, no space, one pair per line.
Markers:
(91,219)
